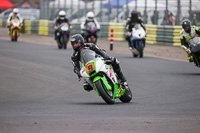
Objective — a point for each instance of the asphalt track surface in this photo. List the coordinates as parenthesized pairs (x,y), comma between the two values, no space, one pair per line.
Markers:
(39,93)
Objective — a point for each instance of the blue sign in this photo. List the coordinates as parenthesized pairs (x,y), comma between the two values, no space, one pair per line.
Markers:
(116,3)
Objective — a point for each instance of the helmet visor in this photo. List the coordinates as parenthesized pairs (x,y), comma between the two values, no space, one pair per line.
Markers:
(75,44)
(90,18)
(134,15)
(187,28)
(62,17)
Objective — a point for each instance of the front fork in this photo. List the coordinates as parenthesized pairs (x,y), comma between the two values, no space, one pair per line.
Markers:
(13,30)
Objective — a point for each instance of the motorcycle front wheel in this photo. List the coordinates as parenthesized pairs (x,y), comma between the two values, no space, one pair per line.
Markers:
(65,40)
(16,36)
(104,93)
(141,47)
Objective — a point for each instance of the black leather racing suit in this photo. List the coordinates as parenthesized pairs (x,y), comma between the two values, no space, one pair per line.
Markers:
(58,22)
(114,62)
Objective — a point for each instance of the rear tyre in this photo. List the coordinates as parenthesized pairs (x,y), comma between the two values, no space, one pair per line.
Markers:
(127,97)
(104,93)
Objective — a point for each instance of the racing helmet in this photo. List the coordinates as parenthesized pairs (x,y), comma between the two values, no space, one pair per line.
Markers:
(77,42)
(134,14)
(15,10)
(186,25)
(62,14)
(90,15)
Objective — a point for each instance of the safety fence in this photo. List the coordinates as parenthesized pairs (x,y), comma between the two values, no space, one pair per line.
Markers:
(160,35)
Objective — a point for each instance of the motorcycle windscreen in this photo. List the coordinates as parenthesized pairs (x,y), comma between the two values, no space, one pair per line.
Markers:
(91,26)
(87,55)
(64,26)
(195,44)
(137,26)
(15,22)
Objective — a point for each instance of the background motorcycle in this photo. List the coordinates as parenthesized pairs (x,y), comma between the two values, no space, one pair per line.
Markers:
(91,33)
(63,36)
(101,76)
(15,29)
(195,49)
(138,36)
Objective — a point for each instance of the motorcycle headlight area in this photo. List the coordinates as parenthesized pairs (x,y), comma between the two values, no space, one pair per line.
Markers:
(195,41)
(90,69)
(64,28)
(15,24)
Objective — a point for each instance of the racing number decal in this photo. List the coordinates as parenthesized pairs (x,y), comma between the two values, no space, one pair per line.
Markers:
(90,68)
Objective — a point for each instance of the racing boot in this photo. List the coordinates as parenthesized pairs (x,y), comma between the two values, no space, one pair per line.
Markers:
(87,86)
(117,69)
(122,78)
(190,58)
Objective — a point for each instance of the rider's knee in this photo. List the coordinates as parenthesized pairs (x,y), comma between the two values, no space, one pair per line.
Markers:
(127,38)
(115,61)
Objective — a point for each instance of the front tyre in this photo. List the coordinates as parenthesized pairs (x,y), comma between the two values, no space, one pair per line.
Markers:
(141,48)
(141,54)
(127,97)
(16,36)
(65,40)
(104,93)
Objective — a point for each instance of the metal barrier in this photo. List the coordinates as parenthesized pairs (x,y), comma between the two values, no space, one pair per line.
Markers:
(160,35)
(118,31)
(3,23)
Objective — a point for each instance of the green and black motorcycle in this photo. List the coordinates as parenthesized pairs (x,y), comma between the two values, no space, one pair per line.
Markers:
(101,76)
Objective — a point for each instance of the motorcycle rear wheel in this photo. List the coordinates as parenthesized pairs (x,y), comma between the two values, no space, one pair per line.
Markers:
(127,97)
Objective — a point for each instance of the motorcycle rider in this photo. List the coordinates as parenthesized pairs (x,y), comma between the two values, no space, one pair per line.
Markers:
(77,42)
(14,15)
(89,18)
(130,24)
(189,32)
(60,19)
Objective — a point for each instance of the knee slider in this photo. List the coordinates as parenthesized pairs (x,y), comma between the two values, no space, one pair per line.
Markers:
(115,61)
